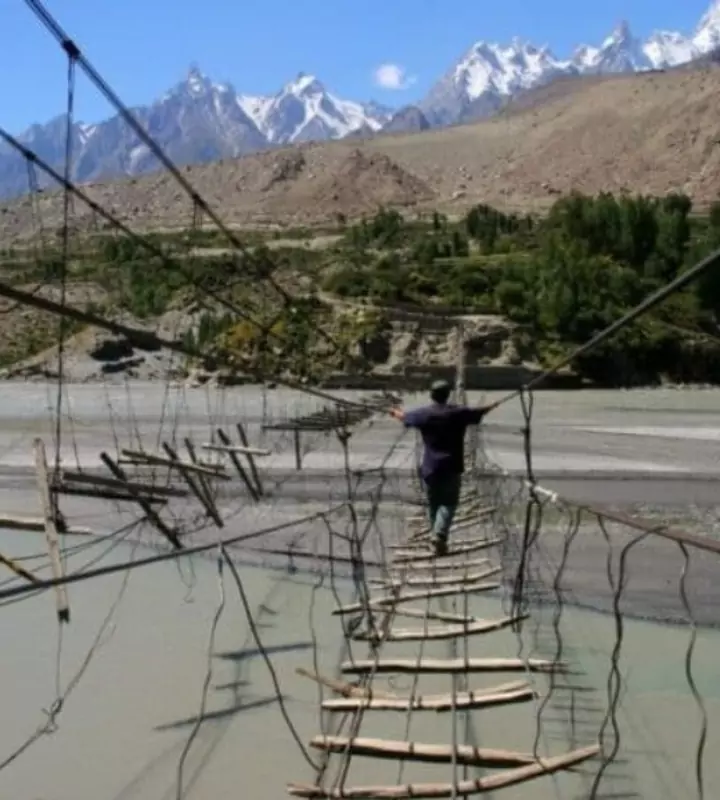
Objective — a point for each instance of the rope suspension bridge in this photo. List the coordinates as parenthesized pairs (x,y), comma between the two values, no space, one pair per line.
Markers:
(505,599)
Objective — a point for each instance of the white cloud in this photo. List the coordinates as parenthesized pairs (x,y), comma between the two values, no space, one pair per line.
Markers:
(393,76)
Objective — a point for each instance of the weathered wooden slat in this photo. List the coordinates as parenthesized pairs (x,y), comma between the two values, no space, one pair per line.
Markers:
(253,466)
(505,694)
(439,632)
(438,565)
(406,598)
(442,580)
(420,751)
(464,788)
(410,555)
(451,665)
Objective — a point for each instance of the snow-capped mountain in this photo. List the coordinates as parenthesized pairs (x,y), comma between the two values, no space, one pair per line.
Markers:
(490,74)
(304,110)
(199,120)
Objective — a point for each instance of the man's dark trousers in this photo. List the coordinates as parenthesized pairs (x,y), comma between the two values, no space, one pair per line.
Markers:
(443,495)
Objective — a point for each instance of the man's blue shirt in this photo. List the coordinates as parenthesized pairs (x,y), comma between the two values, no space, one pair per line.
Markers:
(442,427)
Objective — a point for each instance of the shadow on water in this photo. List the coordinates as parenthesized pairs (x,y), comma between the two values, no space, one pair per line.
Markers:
(245,655)
(223,713)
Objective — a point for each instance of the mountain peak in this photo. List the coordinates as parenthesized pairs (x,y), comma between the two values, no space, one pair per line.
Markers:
(305,84)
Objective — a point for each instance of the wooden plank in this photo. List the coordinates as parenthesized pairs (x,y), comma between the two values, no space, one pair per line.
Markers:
(506,694)
(423,558)
(51,534)
(441,580)
(206,502)
(419,751)
(113,483)
(238,466)
(471,786)
(343,688)
(440,564)
(103,494)
(450,665)
(381,602)
(150,458)
(253,466)
(203,481)
(152,517)
(439,632)
(235,448)
(438,616)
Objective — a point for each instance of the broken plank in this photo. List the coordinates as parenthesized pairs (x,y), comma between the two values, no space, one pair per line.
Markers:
(451,665)
(206,502)
(489,783)
(151,459)
(153,518)
(253,466)
(419,751)
(438,616)
(343,688)
(20,571)
(505,694)
(439,632)
(238,466)
(51,534)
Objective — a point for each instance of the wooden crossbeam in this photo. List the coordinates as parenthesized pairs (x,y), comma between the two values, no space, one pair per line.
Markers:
(37,524)
(432,580)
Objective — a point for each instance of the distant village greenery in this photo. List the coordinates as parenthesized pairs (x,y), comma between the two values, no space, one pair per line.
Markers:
(562,277)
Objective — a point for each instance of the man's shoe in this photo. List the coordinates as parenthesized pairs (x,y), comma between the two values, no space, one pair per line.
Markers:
(441,547)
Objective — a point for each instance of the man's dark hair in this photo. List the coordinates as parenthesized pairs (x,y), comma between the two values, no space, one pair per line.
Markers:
(440,391)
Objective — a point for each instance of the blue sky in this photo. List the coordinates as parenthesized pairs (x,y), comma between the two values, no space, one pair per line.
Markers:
(142,47)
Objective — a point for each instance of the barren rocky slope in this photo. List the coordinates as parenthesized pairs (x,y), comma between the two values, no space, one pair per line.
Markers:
(653,132)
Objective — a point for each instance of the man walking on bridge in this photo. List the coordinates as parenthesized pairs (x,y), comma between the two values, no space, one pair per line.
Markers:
(442,426)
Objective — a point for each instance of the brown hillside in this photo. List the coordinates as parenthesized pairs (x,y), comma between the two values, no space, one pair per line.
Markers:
(654,133)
